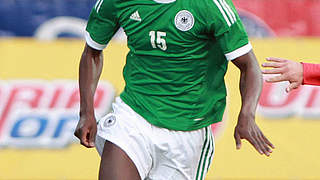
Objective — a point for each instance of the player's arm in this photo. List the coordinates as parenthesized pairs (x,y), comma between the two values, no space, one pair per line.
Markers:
(294,72)
(250,89)
(102,25)
(89,73)
(232,38)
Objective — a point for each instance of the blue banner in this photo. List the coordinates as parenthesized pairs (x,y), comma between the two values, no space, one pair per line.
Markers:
(51,19)
(24,17)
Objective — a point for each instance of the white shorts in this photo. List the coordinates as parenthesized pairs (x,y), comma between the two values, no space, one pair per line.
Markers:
(158,153)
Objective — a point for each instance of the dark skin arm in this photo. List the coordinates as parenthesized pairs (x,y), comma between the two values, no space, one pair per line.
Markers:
(250,89)
(90,68)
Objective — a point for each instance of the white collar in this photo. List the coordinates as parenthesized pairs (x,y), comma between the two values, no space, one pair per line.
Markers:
(164,1)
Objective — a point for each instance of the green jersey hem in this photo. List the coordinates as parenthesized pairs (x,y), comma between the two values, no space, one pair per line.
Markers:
(171,126)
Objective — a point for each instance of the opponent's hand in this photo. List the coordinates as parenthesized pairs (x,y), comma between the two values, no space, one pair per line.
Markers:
(248,129)
(86,131)
(290,71)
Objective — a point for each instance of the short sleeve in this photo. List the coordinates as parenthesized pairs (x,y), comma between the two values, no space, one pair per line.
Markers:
(102,24)
(228,30)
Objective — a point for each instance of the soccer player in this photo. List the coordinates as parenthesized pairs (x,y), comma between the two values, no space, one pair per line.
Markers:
(174,74)
(294,72)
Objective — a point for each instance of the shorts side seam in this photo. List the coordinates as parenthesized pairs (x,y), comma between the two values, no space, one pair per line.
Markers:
(206,162)
(212,152)
(205,144)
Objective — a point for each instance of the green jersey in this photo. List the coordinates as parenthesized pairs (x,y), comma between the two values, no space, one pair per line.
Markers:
(179,51)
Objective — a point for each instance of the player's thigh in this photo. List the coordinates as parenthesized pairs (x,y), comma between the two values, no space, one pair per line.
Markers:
(116,164)
(127,142)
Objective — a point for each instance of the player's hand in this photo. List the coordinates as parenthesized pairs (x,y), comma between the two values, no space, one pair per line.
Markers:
(86,131)
(289,71)
(248,129)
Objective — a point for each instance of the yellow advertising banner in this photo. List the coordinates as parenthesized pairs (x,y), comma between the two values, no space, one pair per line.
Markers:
(37,74)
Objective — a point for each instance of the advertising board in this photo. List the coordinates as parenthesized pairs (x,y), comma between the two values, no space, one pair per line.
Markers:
(43,114)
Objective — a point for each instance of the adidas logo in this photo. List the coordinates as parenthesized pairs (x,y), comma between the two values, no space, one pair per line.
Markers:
(135,16)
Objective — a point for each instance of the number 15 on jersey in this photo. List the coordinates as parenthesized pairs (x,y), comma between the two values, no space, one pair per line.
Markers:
(158,41)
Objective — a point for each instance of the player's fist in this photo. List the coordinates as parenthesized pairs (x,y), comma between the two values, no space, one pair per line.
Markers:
(86,131)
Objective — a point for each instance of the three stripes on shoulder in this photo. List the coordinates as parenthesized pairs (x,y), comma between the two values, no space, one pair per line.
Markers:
(227,13)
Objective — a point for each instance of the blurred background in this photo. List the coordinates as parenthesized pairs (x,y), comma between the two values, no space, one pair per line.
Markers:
(41,42)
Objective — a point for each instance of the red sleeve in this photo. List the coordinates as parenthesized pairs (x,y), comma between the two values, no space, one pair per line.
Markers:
(311,74)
